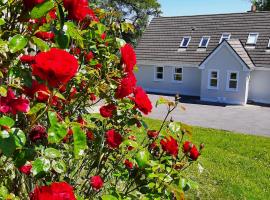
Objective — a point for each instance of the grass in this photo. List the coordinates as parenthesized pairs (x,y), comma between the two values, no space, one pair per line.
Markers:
(236,166)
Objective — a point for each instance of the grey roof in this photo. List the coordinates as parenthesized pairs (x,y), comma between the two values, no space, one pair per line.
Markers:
(161,40)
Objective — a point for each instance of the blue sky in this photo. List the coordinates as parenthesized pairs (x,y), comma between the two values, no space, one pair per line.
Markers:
(197,7)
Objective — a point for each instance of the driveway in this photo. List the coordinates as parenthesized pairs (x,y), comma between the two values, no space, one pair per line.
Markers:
(248,119)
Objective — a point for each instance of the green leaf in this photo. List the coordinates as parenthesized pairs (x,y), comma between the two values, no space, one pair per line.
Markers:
(59,166)
(57,131)
(17,43)
(2,21)
(142,158)
(41,44)
(80,142)
(161,101)
(7,143)
(19,136)
(101,28)
(6,121)
(36,108)
(59,95)
(52,153)
(108,197)
(62,40)
(41,9)
(40,165)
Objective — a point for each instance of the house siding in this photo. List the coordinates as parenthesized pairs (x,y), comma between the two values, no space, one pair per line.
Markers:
(259,90)
(225,60)
(190,84)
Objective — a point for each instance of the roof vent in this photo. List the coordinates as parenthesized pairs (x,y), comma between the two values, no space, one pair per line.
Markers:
(193,28)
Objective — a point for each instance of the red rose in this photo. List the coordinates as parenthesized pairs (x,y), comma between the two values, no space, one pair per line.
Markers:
(55,66)
(29,4)
(96,182)
(128,57)
(55,191)
(113,139)
(107,111)
(11,104)
(170,146)
(142,101)
(26,169)
(128,164)
(93,97)
(187,146)
(126,86)
(152,133)
(194,153)
(27,59)
(45,35)
(40,91)
(37,132)
(89,56)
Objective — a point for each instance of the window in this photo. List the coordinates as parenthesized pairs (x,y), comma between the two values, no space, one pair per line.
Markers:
(159,73)
(252,38)
(213,79)
(178,74)
(185,42)
(268,46)
(232,81)
(204,41)
(225,36)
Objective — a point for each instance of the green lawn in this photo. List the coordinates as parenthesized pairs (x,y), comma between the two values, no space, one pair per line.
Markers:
(236,166)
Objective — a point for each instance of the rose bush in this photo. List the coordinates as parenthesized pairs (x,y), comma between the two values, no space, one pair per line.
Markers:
(59,59)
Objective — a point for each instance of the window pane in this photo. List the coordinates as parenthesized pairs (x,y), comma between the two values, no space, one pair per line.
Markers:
(178,70)
(204,41)
(213,83)
(159,76)
(233,84)
(233,76)
(252,38)
(160,69)
(214,75)
(178,77)
(185,42)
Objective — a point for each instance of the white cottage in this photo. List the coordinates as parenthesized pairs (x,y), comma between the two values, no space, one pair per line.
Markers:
(219,58)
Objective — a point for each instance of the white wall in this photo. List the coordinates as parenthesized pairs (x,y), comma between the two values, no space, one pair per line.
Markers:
(189,86)
(225,60)
(259,90)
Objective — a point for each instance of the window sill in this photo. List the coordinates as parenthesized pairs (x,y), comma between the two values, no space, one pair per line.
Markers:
(158,80)
(212,88)
(201,49)
(176,81)
(231,90)
(181,49)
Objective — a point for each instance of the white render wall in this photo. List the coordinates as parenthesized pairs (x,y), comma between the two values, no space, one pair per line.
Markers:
(189,86)
(224,60)
(259,89)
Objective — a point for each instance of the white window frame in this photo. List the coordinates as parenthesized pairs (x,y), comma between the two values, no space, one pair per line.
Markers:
(174,73)
(255,39)
(268,45)
(210,78)
(206,43)
(229,79)
(182,42)
(155,74)
(223,38)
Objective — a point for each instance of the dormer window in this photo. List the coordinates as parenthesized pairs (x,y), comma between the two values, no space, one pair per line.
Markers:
(185,42)
(204,41)
(252,38)
(225,36)
(268,46)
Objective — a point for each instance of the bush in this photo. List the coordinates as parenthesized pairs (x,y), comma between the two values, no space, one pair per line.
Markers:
(58,61)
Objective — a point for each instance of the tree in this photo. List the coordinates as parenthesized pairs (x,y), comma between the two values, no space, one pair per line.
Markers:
(138,13)
(262,5)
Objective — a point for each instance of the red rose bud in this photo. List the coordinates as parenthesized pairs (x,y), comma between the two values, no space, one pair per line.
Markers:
(27,59)
(107,111)
(67,137)
(81,121)
(62,88)
(93,97)
(75,51)
(45,35)
(113,139)
(187,146)
(194,153)
(170,145)
(130,148)
(38,132)
(55,191)
(153,146)
(98,66)
(128,57)
(142,101)
(26,169)
(89,56)
(103,36)
(128,164)
(73,92)
(132,137)
(96,182)
(90,135)
(152,133)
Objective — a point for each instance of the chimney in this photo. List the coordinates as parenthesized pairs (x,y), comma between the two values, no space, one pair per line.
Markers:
(253,8)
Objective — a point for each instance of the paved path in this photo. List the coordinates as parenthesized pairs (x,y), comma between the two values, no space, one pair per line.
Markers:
(248,119)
